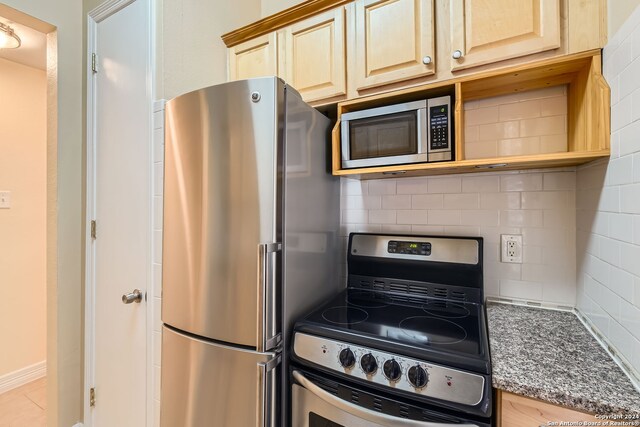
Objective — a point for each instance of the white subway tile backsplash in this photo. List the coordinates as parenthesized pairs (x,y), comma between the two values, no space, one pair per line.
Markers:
(487,218)
(554,181)
(620,226)
(411,186)
(353,187)
(462,201)
(521,182)
(630,198)
(636,167)
(520,110)
(428,229)
(396,228)
(415,216)
(396,201)
(444,217)
(481,184)
(521,290)
(382,217)
(361,202)
(486,205)
(521,218)
(355,216)
(553,125)
(610,251)
(630,258)
(621,113)
(630,137)
(622,282)
(427,201)
(481,116)
(500,200)
(620,171)
(445,185)
(501,130)
(461,230)
(545,200)
(382,186)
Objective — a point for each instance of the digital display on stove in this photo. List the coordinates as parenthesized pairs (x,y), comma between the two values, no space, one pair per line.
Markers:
(411,248)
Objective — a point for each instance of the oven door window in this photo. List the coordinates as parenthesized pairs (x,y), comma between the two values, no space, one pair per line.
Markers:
(383,136)
(316,420)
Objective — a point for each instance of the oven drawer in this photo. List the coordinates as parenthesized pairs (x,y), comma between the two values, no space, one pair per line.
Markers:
(314,406)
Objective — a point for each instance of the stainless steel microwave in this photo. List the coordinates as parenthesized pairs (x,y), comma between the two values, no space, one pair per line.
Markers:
(413,132)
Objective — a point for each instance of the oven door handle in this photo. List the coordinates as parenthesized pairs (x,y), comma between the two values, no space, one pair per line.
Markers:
(366,414)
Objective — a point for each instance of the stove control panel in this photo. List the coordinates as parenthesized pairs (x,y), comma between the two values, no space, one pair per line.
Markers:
(391,370)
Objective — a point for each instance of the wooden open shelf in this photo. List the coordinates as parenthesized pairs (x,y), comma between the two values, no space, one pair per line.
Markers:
(588,115)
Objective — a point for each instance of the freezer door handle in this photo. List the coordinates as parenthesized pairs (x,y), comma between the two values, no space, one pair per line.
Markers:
(266,405)
(363,413)
(269,336)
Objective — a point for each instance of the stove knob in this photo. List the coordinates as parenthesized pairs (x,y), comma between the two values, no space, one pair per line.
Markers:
(368,364)
(392,370)
(418,377)
(347,359)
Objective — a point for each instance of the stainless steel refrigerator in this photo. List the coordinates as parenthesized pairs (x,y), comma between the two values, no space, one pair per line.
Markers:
(250,243)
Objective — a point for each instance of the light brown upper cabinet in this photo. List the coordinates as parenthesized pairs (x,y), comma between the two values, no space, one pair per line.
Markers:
(313,56)
(486,31)
(393,41)
(253,58)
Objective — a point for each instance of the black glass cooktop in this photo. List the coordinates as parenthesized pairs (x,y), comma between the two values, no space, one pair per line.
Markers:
(433,329)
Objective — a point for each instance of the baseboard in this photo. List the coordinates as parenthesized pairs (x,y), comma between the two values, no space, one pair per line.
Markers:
(77,425)
(22,376)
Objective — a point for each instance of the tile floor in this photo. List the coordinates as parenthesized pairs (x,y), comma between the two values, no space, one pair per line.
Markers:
(25,406)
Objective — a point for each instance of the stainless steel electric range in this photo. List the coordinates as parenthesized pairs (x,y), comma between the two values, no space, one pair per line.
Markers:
(404,345)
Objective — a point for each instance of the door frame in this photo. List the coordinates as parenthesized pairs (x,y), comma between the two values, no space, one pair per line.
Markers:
(94,17)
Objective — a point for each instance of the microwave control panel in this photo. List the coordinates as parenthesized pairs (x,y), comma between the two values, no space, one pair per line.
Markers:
(439,125)
(439,146)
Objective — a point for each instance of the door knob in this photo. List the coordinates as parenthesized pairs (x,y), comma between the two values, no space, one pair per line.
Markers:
(135,296)
(457,54)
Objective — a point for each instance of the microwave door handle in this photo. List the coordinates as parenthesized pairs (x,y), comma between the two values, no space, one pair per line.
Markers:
(366,414)
(423,131)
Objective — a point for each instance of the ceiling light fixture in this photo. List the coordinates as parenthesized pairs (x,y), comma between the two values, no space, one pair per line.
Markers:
(8,38)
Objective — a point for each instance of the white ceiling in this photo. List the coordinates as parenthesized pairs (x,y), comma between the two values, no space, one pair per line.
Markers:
(32,52)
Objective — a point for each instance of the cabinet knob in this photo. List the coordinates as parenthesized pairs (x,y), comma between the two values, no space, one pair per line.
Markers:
(426,60)
(457,54)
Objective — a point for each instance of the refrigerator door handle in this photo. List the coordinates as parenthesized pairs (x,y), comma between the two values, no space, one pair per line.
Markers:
(268,335)
(266,410)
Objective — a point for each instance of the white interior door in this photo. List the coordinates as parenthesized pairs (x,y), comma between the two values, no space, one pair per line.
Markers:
(122,208)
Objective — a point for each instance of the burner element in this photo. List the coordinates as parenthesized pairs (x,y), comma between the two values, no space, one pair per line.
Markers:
(446,309)
(366,299)
(344,315)
(432,330)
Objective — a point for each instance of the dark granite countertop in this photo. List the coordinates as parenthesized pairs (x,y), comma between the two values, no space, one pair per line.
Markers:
(550,355)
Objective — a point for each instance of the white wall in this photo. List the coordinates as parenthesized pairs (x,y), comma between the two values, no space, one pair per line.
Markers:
(608,202)
(191,52)
(23,171)
(270,7)
(64,204)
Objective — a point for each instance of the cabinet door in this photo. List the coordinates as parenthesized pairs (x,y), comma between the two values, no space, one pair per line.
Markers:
(254,58)
(393,40)
(485,31)
(314,56)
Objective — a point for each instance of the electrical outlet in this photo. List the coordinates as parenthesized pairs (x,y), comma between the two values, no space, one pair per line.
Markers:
(5,199)
(511,248)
